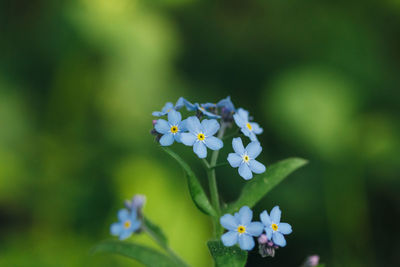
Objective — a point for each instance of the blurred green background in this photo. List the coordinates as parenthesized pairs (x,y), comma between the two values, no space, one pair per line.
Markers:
(80,78)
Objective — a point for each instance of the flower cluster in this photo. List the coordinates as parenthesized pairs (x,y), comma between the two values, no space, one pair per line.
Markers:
(269,231)
(199,129)
(129,218)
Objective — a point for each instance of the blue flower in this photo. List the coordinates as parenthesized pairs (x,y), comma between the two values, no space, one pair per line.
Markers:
(200,136)
(226,105)
(128,223)
(245,158)
(249,129)
(171,129)
(240,229)
(169,106)
(198,108)
(274,228)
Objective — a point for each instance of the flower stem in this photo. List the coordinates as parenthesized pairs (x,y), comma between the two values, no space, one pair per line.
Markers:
(212,182)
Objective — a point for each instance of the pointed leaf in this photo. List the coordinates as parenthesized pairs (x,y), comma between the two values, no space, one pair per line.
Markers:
(227,256)
(155,232)
(144,255)
(196,190)
(261,184)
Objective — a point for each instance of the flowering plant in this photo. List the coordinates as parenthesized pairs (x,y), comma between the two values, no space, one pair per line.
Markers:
(209,128)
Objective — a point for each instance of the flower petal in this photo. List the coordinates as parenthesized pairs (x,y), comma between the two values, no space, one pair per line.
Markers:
(256,166)
(125,234)
(200,149)
(269,232)
(256,128)
(167,107)
(245,215)
(264,217)
(252,136)
(135,225)
(246,242)
(210,127)
(177,137)
(278,239)
(167,139)
(193,124)
(244,114)
(239,120)
(188,139)
(174,117)
(285,228)
(255,228)
(180,103)
(229,238)
(234,159)
(213,143)
(182,126)
(162,126)
(276,214)
(116,228)
(245,172)
(158,113)
(253,149)
(237,145)
(123,215)
(229,222)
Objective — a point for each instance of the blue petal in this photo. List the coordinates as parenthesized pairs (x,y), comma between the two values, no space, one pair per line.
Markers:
(177,137)
(167,107)
(229,238)
(123,215)
(226,103)
(167,139)
(189,106)
(278,239)
(246,242)
(244,114)
(255,228)
(116,228)
(182,126)
(245,215)
(239,120)
(210,114)
(133,215)
(285,228)
(269,232)
(252,136)
(246,132)
(264,217)
(200,149)
(125,234)
(253,149)
(245,172)
(188,139)
(237,145)
(193,124)
(229,222)
(162,126)
(234,159)
(256,166)
(213,143)
(210,127)
(174,117)
(135,225)
(276,214)
(256,128)
(158,113)
(180,103)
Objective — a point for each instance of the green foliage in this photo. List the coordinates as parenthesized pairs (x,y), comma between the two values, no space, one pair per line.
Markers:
(196,190)
(260,185)
(227,256)
(147,256)
(155,232)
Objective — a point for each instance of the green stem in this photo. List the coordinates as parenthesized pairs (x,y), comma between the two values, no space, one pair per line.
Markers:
(219,165)
(212,182)
(172,254)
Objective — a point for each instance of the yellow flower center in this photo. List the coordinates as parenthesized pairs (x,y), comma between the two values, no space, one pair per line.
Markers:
(241,229)
(246,158)
(127,224)
(168,110)
(274,226)
(201,137)
(174,129)
(248,125)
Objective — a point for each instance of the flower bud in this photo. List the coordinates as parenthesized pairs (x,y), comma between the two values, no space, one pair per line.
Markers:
(311,261)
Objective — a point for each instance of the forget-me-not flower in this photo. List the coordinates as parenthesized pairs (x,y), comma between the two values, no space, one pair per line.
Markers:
(244,158)
(171,129)
(240,229)
(274,228)
(128,224)
(169,106)
(249,129)
(200,136)
(199,108)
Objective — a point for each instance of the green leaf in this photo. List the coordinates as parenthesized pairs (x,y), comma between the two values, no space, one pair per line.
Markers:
(261,184)
(155,232)
(227,256)
(196,190)
(147,256)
